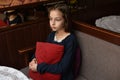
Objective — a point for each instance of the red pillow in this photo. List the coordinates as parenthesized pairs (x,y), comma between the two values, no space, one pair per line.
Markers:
(49,53)
(2,24)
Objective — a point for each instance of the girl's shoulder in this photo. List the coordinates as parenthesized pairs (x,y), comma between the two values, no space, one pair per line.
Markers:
(70,37)
(50,37)
(52,33)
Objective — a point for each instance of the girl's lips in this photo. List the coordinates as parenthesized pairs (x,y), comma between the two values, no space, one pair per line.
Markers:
(53,27)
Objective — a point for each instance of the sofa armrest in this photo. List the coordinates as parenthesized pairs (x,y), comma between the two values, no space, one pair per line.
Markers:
(27,53)
(27,50)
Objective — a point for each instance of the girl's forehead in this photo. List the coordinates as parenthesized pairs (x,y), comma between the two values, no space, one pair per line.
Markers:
(56,13)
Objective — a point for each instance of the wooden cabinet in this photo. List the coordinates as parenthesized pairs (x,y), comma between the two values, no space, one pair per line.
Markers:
(21,36)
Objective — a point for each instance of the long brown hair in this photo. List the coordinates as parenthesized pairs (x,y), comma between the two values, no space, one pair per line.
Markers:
(66,14)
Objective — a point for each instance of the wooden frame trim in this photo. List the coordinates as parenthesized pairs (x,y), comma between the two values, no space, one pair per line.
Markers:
(31,5)
(101,33)
(6,28)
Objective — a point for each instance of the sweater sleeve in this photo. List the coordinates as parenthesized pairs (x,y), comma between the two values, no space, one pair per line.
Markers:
(64,64)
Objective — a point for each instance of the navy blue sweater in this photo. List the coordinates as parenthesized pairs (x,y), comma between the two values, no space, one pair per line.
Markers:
(65,66)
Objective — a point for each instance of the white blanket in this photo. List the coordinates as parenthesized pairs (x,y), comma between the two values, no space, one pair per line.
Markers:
(8,73)
(111,23)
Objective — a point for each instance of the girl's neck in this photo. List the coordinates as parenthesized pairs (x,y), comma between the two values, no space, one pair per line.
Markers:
(60,32)
(60,35)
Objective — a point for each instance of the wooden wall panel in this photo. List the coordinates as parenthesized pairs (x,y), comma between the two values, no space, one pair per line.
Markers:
(21,36)
(4,58)
(28,39)
(12,44)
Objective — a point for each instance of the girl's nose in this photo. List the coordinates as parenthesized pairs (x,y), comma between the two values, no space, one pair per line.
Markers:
(53,22)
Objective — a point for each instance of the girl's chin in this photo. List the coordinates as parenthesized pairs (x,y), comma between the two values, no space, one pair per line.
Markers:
(54,30)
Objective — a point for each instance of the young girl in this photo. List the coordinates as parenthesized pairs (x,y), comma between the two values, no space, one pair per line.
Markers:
(58,19)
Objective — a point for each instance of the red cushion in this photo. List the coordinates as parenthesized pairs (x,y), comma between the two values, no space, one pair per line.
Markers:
(2,24)
(49,53)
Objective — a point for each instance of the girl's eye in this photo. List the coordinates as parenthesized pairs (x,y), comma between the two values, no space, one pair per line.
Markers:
(58,19)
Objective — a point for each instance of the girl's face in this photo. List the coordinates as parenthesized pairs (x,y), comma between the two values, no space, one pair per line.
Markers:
(56,20)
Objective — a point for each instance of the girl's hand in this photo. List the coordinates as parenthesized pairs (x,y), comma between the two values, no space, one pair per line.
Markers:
(33,65)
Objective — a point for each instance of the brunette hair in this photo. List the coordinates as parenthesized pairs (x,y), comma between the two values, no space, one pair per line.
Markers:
(66,14)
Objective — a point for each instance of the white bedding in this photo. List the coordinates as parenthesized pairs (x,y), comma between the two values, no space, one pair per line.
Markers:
(8,73)
(111,23)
